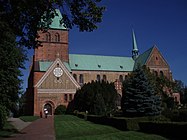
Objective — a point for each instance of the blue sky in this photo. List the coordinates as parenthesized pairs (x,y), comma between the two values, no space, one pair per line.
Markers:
(159,22)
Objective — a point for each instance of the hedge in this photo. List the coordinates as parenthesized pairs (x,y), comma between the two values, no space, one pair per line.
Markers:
(176,130)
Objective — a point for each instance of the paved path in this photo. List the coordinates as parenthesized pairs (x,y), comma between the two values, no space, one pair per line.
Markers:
(18,123)
(41,129)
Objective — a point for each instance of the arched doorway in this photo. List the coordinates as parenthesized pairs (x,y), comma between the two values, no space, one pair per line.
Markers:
(49,108)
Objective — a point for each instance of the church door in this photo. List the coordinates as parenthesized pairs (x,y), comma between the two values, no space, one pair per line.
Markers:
(49,108)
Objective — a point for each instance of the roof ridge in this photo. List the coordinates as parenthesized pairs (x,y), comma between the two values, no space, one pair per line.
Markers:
(101,55)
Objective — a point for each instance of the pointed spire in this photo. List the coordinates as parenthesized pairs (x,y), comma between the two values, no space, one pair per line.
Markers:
(135,51)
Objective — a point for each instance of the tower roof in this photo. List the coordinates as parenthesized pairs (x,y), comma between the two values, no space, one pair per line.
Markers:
(135,48)
(56,21)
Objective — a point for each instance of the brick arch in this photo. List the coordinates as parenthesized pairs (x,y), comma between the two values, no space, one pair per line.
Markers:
(51,104)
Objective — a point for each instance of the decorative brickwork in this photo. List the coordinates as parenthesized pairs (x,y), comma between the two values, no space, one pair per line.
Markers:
(54,45)
(158,64)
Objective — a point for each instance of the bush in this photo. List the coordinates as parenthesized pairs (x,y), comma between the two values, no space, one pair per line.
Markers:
(3,115)
(61,109)
(174,130)
(177,115)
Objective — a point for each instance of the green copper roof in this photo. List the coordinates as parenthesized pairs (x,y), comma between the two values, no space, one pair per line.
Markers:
(44,65)
(142,59)
(56,21)
(135,48)
(100,63)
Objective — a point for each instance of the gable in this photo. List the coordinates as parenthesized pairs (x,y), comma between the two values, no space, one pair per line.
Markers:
(50,81)
(156,60)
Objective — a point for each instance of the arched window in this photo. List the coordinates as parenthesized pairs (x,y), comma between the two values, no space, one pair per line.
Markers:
(98,78)
(104,78)
(57,37)
(156,73)
(126,76)
(81,79)
(161,73)
(48,37)
(121,78)
(75,76)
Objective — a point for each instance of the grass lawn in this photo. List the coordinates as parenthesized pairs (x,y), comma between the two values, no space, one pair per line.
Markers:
(7,130)
(29,118)
(69,127)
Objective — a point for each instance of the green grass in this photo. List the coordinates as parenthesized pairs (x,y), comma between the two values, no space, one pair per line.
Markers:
(8,130)
(29,118)
(69,127)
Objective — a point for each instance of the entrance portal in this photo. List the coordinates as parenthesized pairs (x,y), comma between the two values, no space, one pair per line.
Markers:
(49,108)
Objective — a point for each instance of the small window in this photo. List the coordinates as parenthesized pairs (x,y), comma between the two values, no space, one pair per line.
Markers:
(156,58)
(48,37)
(75,76)
(57,37)
(70,97)
(65,97)
(99,66)
(104,78)
(98,78)
(81,79)
(161,73)
(121,78)
(126,76)
(121,67)
(156,73)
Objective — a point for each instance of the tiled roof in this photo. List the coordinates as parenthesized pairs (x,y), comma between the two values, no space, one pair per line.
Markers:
(142,59)
(94,63)
(100,63)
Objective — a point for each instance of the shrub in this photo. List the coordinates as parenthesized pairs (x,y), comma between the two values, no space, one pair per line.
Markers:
(2,116)
(61,109)
(177,115)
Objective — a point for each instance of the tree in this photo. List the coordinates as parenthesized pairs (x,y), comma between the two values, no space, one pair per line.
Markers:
(19,22)
(139,97)
(11,59)
(98,98)
(26,17)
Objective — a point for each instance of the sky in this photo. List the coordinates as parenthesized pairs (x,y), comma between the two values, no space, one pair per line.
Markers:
(156,22)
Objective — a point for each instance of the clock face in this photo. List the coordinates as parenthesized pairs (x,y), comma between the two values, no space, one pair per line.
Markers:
(58,72)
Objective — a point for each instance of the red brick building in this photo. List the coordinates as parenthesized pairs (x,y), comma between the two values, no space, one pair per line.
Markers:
(55,75)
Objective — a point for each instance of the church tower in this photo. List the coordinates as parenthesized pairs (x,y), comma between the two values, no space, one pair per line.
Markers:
(54,42)
(135,51)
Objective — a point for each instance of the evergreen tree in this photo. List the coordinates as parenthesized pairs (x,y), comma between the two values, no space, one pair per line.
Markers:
(97,98)
(139,97)
(11,59)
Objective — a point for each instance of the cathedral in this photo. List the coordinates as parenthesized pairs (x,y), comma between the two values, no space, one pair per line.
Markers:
(55,75)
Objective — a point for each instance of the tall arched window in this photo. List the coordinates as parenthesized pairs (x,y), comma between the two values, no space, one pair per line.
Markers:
(48,37)
(104,78)
(121,78)
(75,76)
(126,77)
(81,79)
(98,78)
(161,73)
(156,73)
(57,37)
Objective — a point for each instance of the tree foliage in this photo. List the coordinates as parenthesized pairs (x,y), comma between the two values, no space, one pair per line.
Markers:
(11,59)
(139,97)
(61,109)
(3,115)
(98,98)
(26,17)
